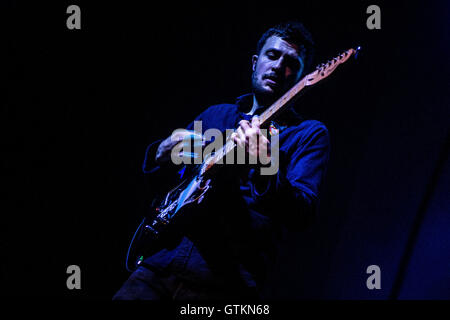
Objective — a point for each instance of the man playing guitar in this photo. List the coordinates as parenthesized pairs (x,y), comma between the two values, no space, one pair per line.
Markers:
(226,247)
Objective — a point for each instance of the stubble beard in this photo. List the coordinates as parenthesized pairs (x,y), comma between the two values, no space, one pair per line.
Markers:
(264,98)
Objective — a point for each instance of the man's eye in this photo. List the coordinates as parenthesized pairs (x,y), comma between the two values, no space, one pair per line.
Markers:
(271,55)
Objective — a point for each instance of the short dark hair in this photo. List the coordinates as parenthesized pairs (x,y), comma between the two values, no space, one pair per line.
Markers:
(295,33)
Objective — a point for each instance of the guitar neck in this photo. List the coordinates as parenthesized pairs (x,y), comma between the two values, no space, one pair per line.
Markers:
(265,117)
(321,72)
(281,103)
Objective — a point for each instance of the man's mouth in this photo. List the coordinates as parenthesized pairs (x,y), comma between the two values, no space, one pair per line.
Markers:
(272,80)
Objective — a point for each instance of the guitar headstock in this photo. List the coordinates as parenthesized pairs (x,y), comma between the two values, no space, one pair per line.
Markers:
(325,69)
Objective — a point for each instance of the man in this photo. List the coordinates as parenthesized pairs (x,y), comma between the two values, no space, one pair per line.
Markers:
(229,243)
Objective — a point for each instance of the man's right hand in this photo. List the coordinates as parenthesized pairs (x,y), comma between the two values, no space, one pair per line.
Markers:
(165,148)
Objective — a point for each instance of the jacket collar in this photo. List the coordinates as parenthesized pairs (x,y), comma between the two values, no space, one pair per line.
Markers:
(245,102)
(289,117)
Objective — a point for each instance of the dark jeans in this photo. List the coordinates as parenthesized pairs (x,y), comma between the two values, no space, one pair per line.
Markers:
(145,284)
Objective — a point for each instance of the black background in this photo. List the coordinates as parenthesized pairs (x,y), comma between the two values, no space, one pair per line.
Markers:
(79,107)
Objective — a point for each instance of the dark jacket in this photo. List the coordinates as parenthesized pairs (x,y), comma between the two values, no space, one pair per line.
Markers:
(233,236)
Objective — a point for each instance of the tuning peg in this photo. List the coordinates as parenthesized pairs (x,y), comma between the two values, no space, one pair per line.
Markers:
(358,49)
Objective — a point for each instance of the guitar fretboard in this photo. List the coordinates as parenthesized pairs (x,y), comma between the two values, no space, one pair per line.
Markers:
(321,72)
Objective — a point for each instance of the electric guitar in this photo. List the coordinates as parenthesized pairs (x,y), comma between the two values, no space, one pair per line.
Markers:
(150,234)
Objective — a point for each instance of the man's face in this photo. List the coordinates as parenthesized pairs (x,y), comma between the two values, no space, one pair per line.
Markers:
(277,68)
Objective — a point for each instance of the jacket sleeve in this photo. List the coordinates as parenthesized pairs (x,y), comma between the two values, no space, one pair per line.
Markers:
(161,172)
(293,193)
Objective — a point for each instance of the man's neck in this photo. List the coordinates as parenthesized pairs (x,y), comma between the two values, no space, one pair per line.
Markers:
(255,106)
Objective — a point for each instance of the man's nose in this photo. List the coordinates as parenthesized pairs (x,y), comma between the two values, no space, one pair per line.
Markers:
(278,64)
(279,67)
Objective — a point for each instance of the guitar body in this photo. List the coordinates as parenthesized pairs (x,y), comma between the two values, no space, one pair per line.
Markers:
(155,228)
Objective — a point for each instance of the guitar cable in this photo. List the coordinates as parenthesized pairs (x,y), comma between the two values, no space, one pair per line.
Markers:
(131,244)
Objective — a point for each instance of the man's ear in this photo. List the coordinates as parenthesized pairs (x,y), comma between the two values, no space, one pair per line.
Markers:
(300,72)
(254,60)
